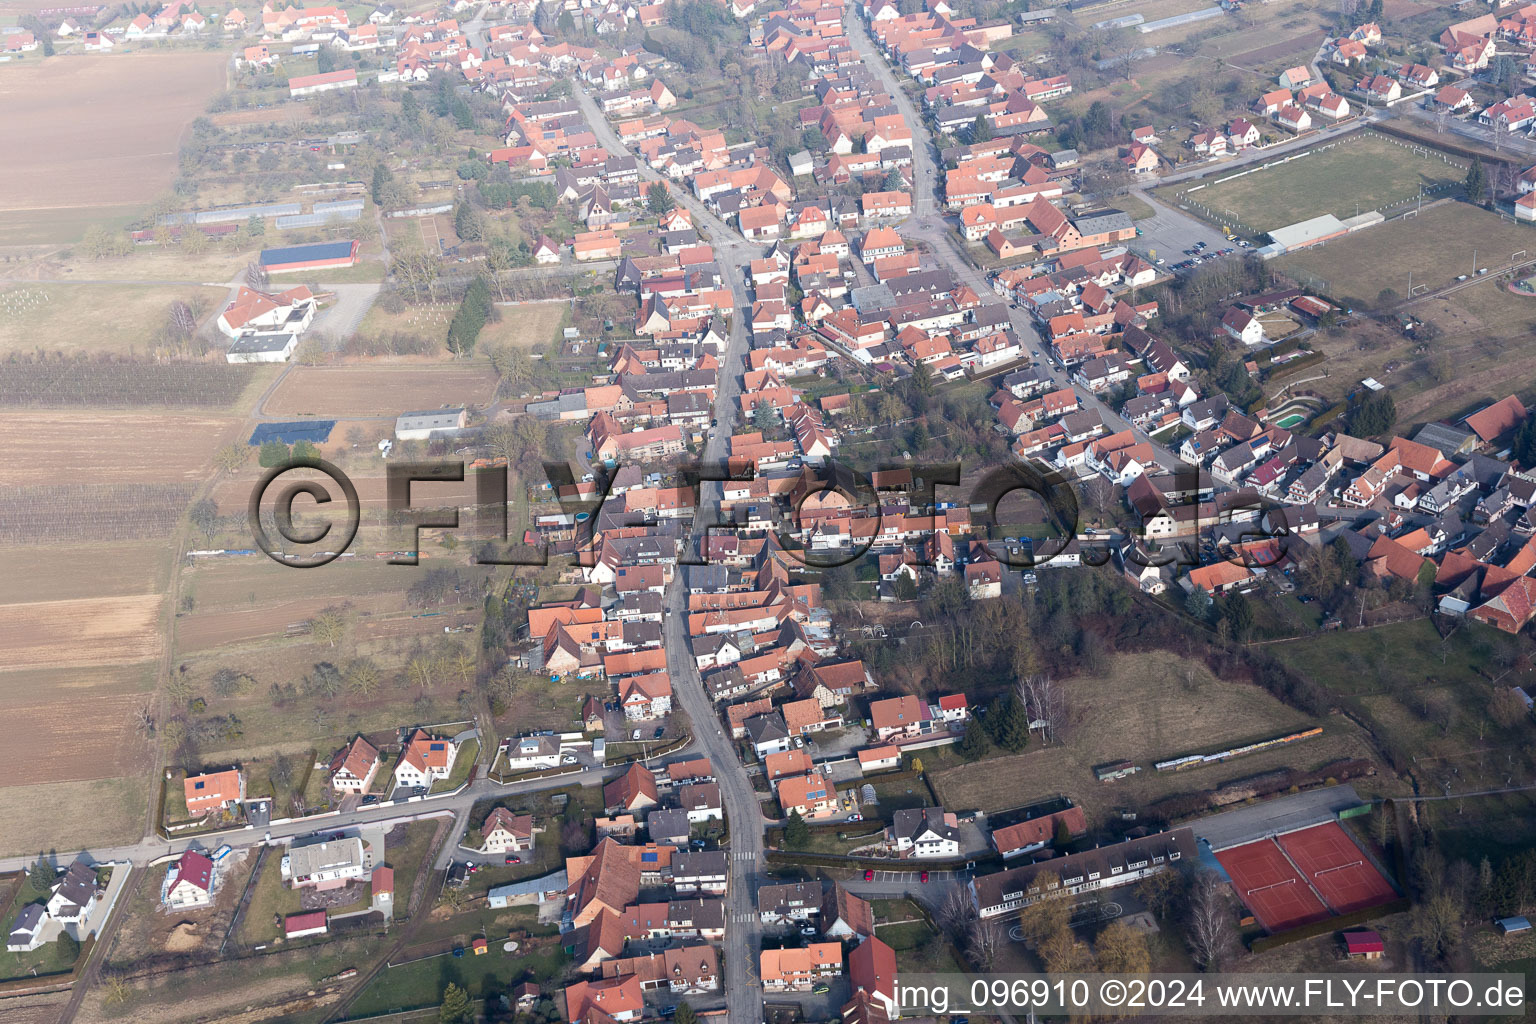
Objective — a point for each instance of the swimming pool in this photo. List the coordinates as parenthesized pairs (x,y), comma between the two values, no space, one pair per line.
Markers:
(1291,420)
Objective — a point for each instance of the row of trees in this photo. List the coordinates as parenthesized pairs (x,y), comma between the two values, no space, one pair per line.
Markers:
(475,311)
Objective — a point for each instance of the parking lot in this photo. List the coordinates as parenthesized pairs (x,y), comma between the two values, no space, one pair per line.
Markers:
(1170,231)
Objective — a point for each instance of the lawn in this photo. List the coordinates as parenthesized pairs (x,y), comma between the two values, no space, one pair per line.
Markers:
(271,900)
(365,271)
(407,856)
(1355,174)
(461,767)
(1484,330)
(526,325)
(541,704)
(902,794)
(421,983)
(427,320)
(917,947)
(94,318)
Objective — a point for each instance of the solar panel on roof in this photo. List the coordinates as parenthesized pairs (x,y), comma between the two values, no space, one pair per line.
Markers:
(314,431)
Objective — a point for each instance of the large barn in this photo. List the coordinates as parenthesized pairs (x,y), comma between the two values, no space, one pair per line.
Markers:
(319,256)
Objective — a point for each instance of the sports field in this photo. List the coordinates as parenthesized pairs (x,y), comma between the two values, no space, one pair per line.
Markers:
(1433,248)
(1270,886)
(1335,866)
(1303,876)
(1360,172)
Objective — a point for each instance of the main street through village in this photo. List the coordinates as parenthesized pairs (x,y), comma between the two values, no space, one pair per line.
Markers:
(743,815)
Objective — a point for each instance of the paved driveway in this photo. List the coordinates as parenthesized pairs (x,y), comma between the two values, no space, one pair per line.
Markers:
(341,320)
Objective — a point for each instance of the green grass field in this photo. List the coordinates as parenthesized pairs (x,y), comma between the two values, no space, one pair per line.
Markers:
(1435,247)
(1365,169)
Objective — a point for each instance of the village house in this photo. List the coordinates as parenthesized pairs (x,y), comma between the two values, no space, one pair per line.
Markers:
(924,833)
(354,767)
(324,865)
(505,832)
(813,796)
(898,717)
(424,760)
(799,970)
(213,791)
(189,882)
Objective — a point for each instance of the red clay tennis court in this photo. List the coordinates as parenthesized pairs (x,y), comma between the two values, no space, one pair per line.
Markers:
(1270,886)
(1332,862)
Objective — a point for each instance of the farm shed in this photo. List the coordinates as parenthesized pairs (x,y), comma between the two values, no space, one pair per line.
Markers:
(262,348)
(296,926)
(418,426)
(1511,925)
(527,892)
(1363,945)
(308,85)
(318,256)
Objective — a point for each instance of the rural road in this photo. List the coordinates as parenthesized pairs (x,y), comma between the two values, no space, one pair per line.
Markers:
(1254,156)
(148,850)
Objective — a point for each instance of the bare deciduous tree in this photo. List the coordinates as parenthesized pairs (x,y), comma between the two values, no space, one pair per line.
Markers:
(956,912)
(328,627)
(1045,701)
(1210,933)
(983,942)
(180,320)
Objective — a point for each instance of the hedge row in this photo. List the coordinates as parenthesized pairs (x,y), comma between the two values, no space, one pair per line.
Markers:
(1327,416)
(1332,924)
(1296,365)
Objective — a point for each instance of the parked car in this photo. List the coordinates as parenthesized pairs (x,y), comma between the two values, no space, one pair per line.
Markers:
(634,734)
(869,874)
(923,877)
(657,734)
(513,859)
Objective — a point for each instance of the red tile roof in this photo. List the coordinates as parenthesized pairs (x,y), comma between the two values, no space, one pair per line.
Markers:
(1499,418)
